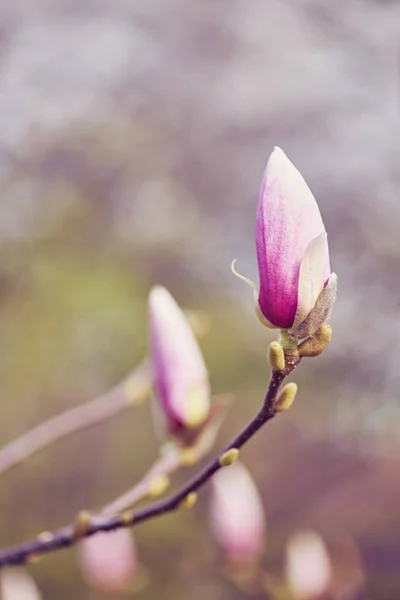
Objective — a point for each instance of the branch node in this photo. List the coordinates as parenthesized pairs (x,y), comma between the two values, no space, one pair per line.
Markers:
(82,524)
(189,501)
(127,517)
(32,559)
(45,537)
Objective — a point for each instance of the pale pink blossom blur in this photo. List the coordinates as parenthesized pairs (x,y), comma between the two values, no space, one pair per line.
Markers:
(308,566)
(292,246)
(108,561)
(237,514)
(179,374)
(18,585)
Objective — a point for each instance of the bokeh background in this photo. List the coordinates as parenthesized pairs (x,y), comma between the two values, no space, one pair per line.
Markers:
(132,141)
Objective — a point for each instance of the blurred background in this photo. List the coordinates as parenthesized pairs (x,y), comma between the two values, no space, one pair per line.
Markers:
(132,142)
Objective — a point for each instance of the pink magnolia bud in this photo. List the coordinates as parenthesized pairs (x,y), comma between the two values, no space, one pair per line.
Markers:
(237,514)
(108,561)
(179,374)
(18,585)
(308,567)
(292,246)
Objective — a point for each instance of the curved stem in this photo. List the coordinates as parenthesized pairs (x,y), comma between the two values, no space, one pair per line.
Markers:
(132,390)
(167,464)
(172,457)
(70,534)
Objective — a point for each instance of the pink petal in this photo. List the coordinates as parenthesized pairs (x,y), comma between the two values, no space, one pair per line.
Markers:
(288,219)
(108,561)
(179,373)
(237,514)
(314,273)
(308,567)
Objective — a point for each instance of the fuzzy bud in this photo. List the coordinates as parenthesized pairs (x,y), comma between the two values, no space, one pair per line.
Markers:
(286,397)
(229,457)
(189,501)
(316,344)
(276,356)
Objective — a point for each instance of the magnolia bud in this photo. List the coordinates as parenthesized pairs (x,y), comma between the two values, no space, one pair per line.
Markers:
(308,567)
(292,247)
(179,374)
(237,515)
(108,561)
(18,585)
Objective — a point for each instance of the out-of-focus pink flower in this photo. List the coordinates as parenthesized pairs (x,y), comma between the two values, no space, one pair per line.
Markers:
(18,585)
(292,246)
(308,567)
(179,374)
(237,514)
(108,561)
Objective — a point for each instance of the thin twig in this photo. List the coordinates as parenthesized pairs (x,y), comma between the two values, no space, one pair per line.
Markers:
(70,534)
(167,464)
(172,457)
(132,390)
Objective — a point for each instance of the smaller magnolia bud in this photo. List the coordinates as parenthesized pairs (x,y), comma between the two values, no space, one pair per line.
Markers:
(229,457)
(308,566)
(158,485)
(189,501)
(276,356)
(178,370)
(286,397)
(316,344)
(108,561)
(237,515)
(18,585)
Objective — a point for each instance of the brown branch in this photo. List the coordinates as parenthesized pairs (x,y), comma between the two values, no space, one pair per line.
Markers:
(70,534)
(132,390)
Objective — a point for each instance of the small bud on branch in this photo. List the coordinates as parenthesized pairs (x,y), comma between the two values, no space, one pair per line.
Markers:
(316,344)
(286,397)
(276,356)
(229,457)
